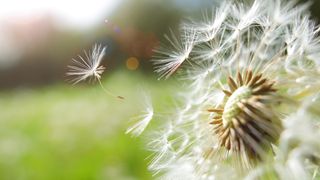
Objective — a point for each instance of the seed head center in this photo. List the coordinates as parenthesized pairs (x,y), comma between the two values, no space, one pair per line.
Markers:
(247,121)
(231,108)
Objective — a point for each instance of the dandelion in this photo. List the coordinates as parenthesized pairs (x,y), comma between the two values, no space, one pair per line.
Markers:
(249,107)
(89,67)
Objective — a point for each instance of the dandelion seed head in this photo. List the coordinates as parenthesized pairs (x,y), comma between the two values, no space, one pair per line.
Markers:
(248,69)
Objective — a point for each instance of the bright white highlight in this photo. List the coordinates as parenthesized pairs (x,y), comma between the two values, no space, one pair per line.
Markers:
(68,12)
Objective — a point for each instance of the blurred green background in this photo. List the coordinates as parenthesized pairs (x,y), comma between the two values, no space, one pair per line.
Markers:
(50,129)
(62,132)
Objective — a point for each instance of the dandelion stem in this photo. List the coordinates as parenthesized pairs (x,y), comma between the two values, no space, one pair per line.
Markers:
(109,93)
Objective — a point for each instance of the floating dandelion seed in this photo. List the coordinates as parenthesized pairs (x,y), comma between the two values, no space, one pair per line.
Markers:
(142,120)
(89,67)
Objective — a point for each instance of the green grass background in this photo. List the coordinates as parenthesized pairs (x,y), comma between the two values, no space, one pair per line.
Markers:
(75,132)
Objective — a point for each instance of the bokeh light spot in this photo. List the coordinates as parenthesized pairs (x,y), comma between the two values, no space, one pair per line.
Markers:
(132,63)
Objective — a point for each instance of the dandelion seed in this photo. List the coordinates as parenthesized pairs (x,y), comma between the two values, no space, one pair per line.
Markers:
(210,25)
(167,61)
(245,16)
(143,120)
(89,67)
